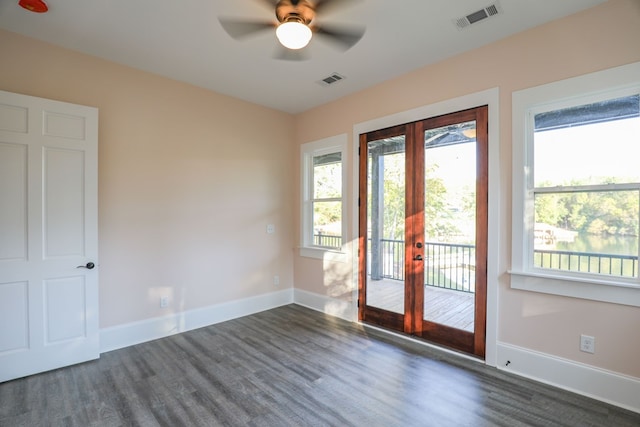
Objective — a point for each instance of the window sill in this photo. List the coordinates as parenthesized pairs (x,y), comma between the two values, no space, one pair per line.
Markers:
(323,253)
(594,289)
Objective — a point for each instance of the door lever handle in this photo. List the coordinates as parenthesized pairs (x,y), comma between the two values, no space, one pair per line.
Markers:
(417,258)
(88,266)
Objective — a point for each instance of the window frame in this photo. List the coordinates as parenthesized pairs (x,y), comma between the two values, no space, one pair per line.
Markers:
(607,84)
(330,145)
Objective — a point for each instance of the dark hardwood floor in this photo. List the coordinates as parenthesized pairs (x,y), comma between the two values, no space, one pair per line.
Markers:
(291,366)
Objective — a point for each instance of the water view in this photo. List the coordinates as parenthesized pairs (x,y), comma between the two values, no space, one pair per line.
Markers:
(615,245)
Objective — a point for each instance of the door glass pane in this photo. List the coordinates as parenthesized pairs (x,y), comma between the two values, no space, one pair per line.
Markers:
(385,222)
(450,225)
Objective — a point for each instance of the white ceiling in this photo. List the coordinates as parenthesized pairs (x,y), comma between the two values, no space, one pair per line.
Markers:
(183,40)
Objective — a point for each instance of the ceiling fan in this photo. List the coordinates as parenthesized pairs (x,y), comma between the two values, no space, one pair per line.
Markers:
(37,6)
(296,25)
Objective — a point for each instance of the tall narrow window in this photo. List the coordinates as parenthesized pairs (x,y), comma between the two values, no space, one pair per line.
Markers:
(323,196)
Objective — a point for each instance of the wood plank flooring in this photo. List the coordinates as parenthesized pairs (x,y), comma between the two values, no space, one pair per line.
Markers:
(291,366)
(444,306)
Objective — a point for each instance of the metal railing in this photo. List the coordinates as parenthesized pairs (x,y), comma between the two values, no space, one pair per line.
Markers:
(447,265)
(586,262)
(327,240)
(452,266)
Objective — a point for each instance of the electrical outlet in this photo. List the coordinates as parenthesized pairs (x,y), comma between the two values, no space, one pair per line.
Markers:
(587,344)
(271,228)
(276,280)
(164,302)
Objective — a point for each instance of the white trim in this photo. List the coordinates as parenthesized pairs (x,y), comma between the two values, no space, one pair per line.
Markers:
(576,287)
(324,304)
(490,97)
(324,254)
(591,87)
(146,330)
(308,150)
(607,386)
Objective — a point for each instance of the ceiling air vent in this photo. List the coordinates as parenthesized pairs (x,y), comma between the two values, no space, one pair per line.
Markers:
(331,79)
(477,16)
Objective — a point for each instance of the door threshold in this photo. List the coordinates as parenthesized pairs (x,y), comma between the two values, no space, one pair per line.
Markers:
(415,340)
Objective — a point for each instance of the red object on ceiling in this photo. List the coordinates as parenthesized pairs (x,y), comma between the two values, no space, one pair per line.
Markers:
(37,6)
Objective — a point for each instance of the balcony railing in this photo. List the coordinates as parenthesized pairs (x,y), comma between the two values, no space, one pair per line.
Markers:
(585,262)
(327,240)
(447,265)
(452,266)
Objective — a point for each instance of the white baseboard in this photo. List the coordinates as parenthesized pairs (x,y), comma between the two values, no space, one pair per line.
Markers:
(138,332)
(339,308)
(607,386)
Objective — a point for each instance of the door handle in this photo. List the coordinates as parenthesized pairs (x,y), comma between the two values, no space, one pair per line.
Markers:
(417,258)
(88,266)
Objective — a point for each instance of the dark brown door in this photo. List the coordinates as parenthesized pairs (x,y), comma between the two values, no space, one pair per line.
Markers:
(423,229)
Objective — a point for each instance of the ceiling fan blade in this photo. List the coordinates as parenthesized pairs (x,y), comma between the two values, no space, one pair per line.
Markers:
(323,6)
(271,4)
(239,29)
(345,37)
(284,54)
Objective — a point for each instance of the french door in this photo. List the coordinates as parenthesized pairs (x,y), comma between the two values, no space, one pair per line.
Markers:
(423,229)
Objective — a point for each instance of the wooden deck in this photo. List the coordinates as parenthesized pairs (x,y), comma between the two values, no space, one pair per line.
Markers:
(444,306)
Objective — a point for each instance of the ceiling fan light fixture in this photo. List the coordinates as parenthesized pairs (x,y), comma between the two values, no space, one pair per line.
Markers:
(293,34)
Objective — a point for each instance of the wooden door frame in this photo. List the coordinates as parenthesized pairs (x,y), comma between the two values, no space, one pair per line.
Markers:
(411,322)
(376,316)
(473,343)
(414,269)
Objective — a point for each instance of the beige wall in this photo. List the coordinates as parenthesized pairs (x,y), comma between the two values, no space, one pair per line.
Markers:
(188,181)
(189,178)
(599,38)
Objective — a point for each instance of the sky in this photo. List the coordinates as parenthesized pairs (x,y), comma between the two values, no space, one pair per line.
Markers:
(602,149)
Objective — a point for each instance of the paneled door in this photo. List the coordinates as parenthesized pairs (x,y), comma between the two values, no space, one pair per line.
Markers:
(48,235)
(423,229)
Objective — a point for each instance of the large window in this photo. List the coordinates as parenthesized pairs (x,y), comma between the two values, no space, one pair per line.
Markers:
(577,187)
(323,192)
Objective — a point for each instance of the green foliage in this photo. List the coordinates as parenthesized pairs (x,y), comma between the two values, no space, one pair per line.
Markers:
(440,219)
(327,184)
(596,212)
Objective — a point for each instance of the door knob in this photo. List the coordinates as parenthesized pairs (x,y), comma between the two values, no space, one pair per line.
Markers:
(417,258)
(88,266)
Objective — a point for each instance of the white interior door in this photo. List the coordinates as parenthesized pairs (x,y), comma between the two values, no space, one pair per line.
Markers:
(48,235)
